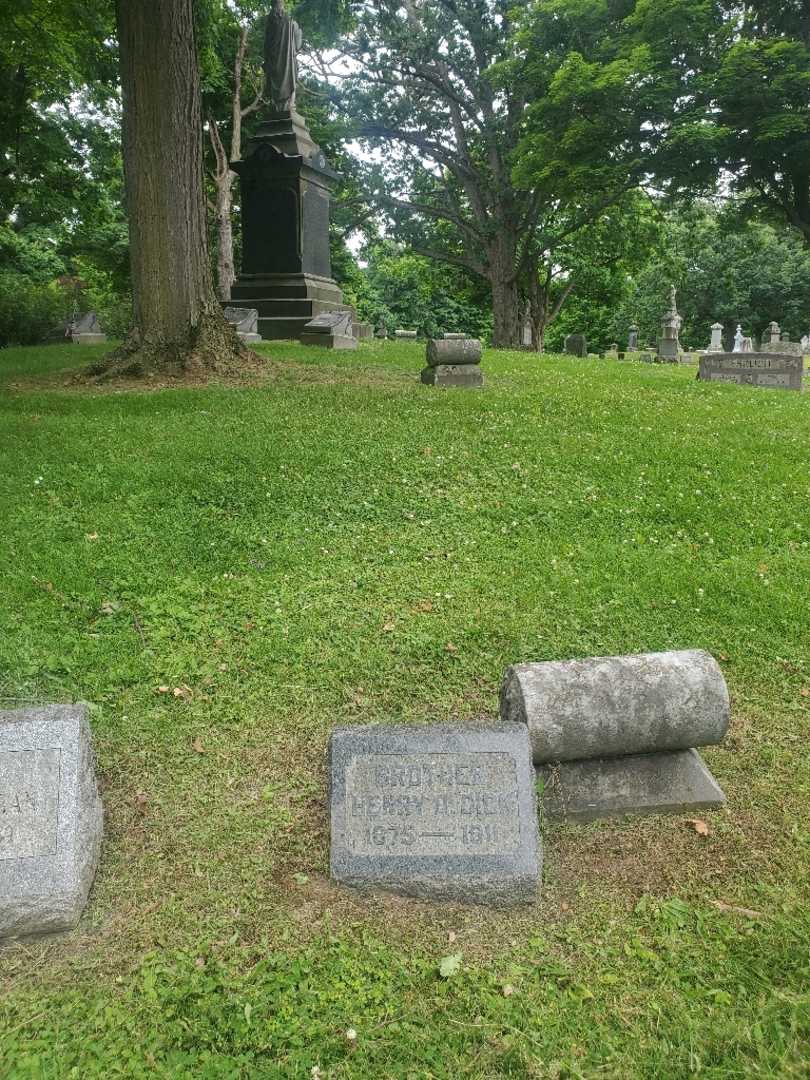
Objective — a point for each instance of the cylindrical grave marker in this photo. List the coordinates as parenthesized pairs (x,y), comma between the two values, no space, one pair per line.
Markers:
(453,351)
(608,706)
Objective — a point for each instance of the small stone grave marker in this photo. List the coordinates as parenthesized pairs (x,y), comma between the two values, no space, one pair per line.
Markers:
(442,812)
(86,330)
(245,322)
(50,818)
(614,735)
(331,330)
(772,370)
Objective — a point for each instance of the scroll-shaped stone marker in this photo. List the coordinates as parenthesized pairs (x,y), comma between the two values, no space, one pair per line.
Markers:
(331,330)
(615,735)
(50,818)
(453,362)
(443,812)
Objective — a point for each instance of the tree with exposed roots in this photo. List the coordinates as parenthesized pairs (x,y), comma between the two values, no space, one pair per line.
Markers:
(178,323)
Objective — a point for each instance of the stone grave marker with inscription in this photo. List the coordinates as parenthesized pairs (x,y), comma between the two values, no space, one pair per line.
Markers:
(50,818)
(772,370)
(442,812)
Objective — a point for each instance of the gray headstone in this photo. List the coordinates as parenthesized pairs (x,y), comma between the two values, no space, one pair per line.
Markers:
(331,322)
(50,818)
(87,324)
(575,345)
(456,350)
(608,706)
(331,330)
(244,320)
(665,783)
(464,375)
(405,334)
(86,330)
(444,812)
(454,337)
(716,344)
(778,371)
(632,338)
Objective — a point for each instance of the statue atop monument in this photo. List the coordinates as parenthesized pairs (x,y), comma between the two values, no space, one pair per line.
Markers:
(282,41)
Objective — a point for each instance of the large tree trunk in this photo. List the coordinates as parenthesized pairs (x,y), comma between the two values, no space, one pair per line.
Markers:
(178,322)
(506,328)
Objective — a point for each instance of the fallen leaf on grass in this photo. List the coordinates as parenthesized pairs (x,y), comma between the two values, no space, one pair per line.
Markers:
(805,691)
(197,745)
(183,691)
(450,965)
(424,605)
(721,905)
(161,689)
(508,990)
(451,648)
(91,536)
(388,627)
(700,827)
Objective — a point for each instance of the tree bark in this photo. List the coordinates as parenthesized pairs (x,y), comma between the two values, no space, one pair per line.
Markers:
(178,322)
(505,292)
(223,175)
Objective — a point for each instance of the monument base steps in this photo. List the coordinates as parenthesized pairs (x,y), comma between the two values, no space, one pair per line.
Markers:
(669,782)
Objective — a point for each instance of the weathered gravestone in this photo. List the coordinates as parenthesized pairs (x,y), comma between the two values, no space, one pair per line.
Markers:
(669,345)
(86,330)
(454,337)
(774,341)
(404,335)
(363,330)
(575,345)
(245,322)
(332,330)
(632,338)
(50,818)
(769,370)
(716,343)
(444,812)
(453,362)
(616,734)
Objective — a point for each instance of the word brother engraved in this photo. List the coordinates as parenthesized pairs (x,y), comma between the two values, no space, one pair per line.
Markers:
(50,818)
(445,812)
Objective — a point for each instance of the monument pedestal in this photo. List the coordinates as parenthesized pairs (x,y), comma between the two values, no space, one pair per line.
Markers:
(286,266)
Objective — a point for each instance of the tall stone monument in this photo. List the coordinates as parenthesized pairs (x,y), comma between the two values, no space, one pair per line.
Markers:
(669,345)
(286,271)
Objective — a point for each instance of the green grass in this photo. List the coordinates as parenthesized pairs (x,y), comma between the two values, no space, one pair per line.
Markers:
(299,553)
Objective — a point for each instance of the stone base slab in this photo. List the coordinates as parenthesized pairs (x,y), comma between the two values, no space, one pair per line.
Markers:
(664,783)
(453,375)
(329,341)
(250,339)
(89,339)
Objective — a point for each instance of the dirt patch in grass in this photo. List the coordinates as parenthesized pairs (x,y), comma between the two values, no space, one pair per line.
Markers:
(255,373)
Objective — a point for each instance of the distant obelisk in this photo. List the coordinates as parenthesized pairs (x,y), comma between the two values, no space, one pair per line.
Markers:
(286,271)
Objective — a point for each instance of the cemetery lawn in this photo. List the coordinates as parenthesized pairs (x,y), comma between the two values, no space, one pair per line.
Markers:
(227,572)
